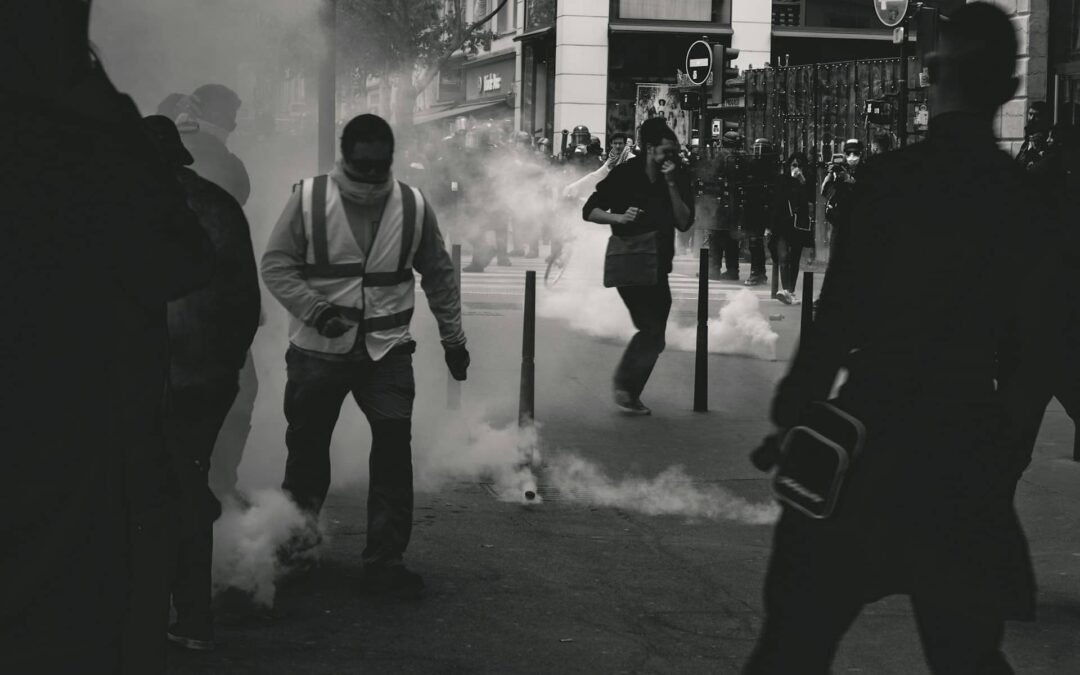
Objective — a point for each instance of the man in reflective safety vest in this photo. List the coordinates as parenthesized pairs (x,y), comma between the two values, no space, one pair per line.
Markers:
(341,261)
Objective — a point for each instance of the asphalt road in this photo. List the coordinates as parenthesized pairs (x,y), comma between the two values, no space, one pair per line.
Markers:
(570,587)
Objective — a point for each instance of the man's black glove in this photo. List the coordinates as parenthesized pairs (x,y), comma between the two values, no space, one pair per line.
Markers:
(457,360)
(331,324)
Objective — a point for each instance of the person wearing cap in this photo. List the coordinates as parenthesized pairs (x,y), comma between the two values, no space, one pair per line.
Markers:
(341,260)
(838,186)
(210,332)
(941,380)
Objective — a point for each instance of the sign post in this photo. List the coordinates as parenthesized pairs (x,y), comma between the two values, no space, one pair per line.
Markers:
(894,14)
(699,66)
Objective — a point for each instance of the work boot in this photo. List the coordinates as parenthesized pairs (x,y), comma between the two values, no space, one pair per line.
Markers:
(474,268)
(195,638)
(504,262)
(730,275)
(757,280)
(630,405)
(391,580)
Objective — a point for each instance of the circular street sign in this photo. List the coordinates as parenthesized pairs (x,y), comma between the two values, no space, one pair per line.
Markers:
(699,62)
(891,12)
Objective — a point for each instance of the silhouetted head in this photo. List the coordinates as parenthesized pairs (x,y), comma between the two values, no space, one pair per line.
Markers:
(165,133)
(973,69)
(659,142)
(367,149)
(881,144)
(44,44)
(218,105)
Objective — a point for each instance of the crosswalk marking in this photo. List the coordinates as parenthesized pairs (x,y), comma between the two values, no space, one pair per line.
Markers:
(510,282)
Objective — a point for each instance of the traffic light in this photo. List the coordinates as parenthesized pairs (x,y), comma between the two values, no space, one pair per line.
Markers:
(726,74)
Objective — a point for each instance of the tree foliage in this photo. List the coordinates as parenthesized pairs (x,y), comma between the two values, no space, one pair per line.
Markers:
(409,41)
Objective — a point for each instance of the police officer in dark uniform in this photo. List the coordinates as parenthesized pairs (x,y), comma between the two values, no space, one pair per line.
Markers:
(926,509)
(731,168)
(760,188)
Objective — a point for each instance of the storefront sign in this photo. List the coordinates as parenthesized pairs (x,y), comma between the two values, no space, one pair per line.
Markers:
(489,79)
(490,83)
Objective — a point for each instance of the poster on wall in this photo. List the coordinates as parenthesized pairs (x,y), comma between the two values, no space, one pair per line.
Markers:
(660,100)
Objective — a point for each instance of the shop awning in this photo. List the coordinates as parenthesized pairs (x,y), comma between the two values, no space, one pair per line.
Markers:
(682,27)
(462,109)
(833,33)
(535,34)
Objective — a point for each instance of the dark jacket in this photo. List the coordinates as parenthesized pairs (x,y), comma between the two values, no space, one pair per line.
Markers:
(790,212)
(932,489)
(215,163)
(97,239)
(211,329)
(627,186)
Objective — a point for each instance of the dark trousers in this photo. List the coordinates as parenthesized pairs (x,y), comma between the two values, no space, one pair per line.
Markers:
(757,255)
(812,597)
(649,309)
(384,390)
(194,417)
(723,248)
(786,251)
(483,253)
(231,440)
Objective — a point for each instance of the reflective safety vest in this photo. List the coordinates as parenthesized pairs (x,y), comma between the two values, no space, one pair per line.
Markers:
(376,290)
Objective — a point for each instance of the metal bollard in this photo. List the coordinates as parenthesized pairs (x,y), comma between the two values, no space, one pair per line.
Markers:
(453,387)
(701,359)
(807,302)
(527,398)
(775,278)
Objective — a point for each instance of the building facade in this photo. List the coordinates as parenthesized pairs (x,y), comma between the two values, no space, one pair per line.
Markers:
(608,64)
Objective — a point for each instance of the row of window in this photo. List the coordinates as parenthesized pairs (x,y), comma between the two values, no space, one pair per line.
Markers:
(858,14)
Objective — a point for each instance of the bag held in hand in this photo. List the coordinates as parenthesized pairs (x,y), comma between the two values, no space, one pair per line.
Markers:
(631,261)
(815,457)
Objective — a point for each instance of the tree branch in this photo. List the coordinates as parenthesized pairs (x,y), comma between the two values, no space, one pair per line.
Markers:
(428,74)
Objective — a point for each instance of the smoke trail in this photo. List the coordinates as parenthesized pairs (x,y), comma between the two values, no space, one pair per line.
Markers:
(672,492)
(247,541)
(473,449)
(740,329)
(508,455)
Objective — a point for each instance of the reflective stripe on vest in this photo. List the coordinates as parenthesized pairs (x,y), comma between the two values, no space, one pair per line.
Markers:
(376,289)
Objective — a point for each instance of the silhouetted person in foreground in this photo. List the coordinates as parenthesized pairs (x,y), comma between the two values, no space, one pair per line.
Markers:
(97,239)
(210,332)
(927,507)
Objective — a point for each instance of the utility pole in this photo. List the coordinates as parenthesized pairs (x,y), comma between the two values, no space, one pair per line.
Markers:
(328,89)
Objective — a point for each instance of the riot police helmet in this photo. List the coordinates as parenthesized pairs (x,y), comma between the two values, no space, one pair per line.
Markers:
(580,135)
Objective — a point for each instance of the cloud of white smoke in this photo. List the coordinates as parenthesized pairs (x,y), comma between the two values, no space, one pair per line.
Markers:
(247,541)
(580,299)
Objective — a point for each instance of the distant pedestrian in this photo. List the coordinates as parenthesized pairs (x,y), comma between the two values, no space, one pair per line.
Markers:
(926,508)
(341,261)
(210,332)
(790,222)
(644,200)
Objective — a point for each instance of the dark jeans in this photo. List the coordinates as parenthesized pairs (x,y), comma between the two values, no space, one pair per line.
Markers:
(811,600)
(384,390)
(786,250)
(723,248)
(193,419)
(757,255)
(649,308)
(231,440)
